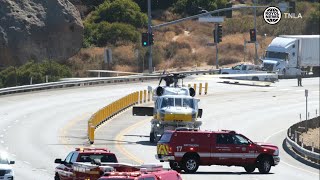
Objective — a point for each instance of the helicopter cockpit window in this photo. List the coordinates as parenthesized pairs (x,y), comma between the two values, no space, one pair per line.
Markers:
(178,102)
(188,103)
(167,102)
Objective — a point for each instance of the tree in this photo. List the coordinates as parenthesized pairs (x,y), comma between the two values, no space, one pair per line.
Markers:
(192,7)
(125,11)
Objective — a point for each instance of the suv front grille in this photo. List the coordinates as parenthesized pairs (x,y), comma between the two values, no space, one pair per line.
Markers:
(2,172)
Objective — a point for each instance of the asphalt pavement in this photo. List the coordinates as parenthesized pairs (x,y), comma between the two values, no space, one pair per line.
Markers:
(38,127)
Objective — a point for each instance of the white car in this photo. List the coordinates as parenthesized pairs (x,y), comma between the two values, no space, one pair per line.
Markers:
(6,171)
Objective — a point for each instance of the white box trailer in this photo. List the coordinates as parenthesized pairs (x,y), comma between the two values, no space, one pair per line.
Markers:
(287,53)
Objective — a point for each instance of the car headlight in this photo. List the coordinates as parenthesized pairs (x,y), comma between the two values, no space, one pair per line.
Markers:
(276,152)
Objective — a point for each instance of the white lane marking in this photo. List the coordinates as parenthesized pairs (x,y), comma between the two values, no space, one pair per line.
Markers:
(26,162)
(282,161)
(267,139)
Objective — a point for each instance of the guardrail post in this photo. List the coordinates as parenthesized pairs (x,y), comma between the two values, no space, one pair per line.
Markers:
(295,137)
(149,94)
(140,97)
(206,88)
(144,95)
(200,88)
(91,133)
(312,147)
(195,88)
(302,142)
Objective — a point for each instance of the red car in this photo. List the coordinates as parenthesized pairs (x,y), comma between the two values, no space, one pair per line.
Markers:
(188,149)
(65,169)
(146,172)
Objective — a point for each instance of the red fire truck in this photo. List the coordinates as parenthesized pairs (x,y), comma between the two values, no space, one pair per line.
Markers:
(187,149)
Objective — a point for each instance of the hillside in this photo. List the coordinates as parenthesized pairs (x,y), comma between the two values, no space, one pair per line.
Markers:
(185,44)
(118,24)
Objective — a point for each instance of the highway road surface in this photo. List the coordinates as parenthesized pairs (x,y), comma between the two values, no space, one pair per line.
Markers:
(38,127)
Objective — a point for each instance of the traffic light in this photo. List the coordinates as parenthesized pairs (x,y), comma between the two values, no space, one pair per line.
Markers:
(228,13)
(214,36)
(145,39)
(151,40)
(253,35)
(219,33)
(292,7)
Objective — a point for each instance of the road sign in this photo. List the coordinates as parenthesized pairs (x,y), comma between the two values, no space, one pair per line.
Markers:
(306,92)
(216,19)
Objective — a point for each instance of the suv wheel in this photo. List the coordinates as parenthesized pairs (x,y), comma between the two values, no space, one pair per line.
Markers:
(190,164)
(56,177)
(264,165)
(250,168)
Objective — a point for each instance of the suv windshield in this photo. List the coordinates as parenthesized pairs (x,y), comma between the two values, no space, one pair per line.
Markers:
(3,160)
(166,137)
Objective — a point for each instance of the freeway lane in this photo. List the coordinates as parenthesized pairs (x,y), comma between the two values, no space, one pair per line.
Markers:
(260,113)
(38,127)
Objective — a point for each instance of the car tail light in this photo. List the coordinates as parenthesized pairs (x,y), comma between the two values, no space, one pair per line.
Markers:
(191,148)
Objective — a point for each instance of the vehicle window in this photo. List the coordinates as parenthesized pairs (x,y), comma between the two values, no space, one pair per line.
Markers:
(149,178)
(102,157)
(224,139)
(4,160)
(188,103)
(166,137)
(74,157)
(244,68)
(68,158)
(178,102)
(167,102)
(238,139)
(236,67)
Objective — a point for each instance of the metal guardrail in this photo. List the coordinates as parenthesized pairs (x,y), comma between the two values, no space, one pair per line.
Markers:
(301,150)
(73,83)
(89,81)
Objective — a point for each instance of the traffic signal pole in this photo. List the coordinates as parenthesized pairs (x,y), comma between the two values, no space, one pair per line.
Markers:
(255,27)
(216,37)
(150,32)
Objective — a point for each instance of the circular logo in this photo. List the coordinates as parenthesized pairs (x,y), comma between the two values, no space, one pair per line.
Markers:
(272,15)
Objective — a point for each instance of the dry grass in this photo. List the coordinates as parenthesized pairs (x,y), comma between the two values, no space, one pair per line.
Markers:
(176,46)
(311,137)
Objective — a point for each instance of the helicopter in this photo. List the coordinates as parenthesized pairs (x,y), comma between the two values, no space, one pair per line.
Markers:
(174,107)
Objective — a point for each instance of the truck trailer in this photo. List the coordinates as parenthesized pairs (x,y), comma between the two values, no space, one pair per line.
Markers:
(287,54)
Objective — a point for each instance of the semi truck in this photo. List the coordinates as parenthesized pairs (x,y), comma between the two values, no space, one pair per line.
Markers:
(289,54)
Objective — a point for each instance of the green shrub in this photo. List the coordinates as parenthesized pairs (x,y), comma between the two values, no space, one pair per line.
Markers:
(191,7)
(125,11)
(13,76)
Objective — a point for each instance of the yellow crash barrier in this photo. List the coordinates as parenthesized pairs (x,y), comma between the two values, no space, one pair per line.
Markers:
(108,111)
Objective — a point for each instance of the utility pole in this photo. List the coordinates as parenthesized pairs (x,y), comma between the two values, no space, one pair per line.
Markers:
(150,32)
(255,27)
(216,37)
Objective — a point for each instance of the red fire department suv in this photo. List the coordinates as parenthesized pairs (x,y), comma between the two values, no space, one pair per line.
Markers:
(187,149)
(66,171)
